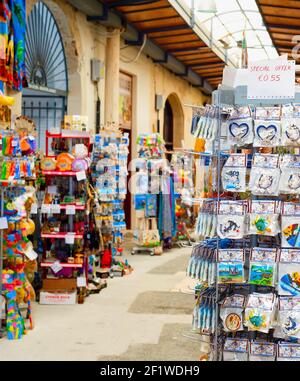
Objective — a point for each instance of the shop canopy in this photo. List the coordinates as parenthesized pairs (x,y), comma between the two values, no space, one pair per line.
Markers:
(196,38)
(282,19)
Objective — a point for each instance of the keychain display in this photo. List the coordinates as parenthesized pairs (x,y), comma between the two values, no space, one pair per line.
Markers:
(235,349)
(206,224)
(201,265)
(231,220)
(289,272)
(240,127)
(259,312)
(262,269)
(267,127)
(205,123)
(263,219)
(234,173)
(265,175)
(205,312)
(231,266)
(231,313)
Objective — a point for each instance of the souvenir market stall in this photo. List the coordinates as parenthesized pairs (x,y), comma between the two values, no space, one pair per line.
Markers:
(154,198)
(247,262)
(68,230)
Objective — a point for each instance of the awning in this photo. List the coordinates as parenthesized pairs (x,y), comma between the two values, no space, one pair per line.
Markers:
(165,26)
(282,19)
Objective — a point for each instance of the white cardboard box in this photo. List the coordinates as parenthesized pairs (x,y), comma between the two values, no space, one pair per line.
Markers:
(58,298)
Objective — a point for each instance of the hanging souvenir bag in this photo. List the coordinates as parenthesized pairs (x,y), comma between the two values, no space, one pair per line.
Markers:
(290,225)
(290,174)
(264,175)
(240,127)
(150,237)
(234,173)
(289,272)
(231,266)
(262,271)
(231,313)
(263,220)
(259,312)
(290,122)
(235,349)
(288,352)
(262,351)
(231,220)
(267,127)
(289,317)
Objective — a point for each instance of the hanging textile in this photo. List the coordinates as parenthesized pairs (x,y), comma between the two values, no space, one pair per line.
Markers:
(18,28)
(12,43)
(5,44)
(167,218)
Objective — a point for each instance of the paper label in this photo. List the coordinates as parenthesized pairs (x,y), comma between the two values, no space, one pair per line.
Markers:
(70,209)
(288,350)
(56,267)
(81,175)
(3,223)
(290,256)
(46,208)
(271,79)
(231,255)
(263,254)
(31,254)
(236,345)
(55,209)
(34,209)
(236,160)
(70,238)
(81,281)
(52,189)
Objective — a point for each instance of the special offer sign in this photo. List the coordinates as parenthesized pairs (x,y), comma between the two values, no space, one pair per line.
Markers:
(271,79)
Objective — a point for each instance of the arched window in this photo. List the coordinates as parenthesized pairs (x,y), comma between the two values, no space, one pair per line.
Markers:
(45,57)
(44,100)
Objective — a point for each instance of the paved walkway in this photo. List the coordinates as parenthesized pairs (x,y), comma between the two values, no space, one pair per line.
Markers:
(140,316)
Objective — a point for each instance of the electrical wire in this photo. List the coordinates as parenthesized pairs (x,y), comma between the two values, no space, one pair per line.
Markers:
(138,54)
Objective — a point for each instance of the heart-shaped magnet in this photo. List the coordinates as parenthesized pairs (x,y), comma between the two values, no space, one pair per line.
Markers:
(238,131)
(266,133)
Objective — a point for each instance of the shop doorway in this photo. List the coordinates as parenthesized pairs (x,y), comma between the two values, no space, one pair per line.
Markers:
(125,121)
(173,129)
(45,99)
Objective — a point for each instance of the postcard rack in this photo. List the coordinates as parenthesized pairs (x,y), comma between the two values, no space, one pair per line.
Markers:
(248,260)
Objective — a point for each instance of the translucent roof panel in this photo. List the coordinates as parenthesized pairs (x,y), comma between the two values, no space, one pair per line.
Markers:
(226,21)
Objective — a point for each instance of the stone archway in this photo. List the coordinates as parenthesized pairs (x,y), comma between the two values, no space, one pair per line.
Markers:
(174,119)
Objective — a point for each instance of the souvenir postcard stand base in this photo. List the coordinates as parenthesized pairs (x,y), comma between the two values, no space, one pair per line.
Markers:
(225,98)
(109,177)
(65,263)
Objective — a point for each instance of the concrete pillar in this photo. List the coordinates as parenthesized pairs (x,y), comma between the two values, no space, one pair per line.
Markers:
(112,71)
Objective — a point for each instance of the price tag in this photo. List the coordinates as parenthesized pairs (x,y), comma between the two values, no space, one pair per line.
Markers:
(70,239)
(52,189)
(46,208)
(56,267)
(14,143)
(55,209)
(81,281)
(70,209)
(31,254)
(3,223)
(34,209)
(81,175)
(30,137)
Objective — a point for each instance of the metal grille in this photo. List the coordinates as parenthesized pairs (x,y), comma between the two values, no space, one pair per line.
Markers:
(46,111)
(45,57)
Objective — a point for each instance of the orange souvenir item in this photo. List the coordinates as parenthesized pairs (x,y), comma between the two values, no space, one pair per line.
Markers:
(48,164)
(64,161)
(24,145)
